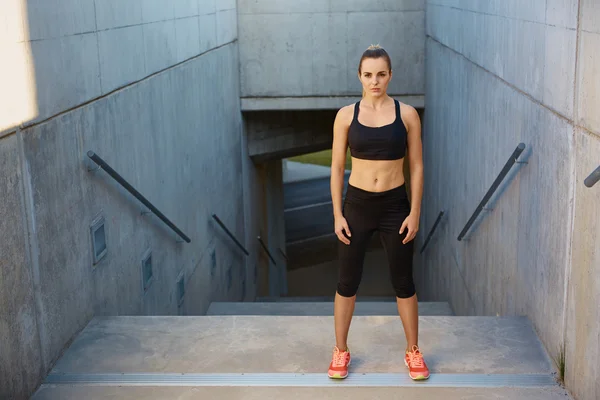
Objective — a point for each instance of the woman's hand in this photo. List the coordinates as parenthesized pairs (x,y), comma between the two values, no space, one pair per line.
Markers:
(340,226)
(412,224)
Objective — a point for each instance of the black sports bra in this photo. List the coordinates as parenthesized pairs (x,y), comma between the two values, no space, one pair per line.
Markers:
(386,142)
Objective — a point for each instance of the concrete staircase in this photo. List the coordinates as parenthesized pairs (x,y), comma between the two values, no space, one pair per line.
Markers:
(281,349)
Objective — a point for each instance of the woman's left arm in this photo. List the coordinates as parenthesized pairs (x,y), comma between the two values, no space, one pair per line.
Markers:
(415,162)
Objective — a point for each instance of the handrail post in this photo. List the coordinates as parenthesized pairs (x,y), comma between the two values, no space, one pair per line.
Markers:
(511,161)
(593,178)
(102,164)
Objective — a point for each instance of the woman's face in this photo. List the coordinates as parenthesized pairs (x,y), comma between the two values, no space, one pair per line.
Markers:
(375,76)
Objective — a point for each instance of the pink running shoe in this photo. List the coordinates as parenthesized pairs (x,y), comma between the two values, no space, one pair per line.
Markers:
(338,368)
(417,369)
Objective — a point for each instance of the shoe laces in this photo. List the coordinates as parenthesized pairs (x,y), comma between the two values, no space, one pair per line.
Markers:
(339,358)
(415,357)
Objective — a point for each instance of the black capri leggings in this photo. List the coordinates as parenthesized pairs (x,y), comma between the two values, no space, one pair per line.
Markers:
(365,213)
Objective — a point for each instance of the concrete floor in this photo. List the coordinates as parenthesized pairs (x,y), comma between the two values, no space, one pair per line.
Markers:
(252,344)
(263,356)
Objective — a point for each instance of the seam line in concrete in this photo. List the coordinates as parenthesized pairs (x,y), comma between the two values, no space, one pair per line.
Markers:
(303,379)
(572,191)
(32,246)
(333,12)
(98,48)
(81,105)
(7,134)
(114,28)
(515,88)
(498,15)
(462,277)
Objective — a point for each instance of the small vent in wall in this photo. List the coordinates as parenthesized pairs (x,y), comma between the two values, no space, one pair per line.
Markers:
(98,233)
(147,275)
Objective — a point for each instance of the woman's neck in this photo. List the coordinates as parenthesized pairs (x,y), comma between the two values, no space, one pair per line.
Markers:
(375,103)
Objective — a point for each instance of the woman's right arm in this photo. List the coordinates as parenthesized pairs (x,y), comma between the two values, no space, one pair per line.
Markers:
(338,169)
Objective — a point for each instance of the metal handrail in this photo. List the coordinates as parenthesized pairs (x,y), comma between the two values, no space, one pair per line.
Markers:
(228,232)
(509,163)
(102,164)
(266,250)
(593,178)
(437,221)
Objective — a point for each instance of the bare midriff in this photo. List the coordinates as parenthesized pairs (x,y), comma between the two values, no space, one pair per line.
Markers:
(376,175)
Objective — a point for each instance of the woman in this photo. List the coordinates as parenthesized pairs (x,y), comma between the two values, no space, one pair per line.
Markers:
(381,134)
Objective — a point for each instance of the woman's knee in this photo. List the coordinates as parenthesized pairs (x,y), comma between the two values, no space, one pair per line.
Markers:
(347,290)
(404,287)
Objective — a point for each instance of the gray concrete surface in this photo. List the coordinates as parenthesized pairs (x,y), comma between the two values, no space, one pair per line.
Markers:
(273,269)
(319,308)
(50,392)
(176,114)
(500,73)
(78,52)
(582,347)
(312,49)
(170,130)
(20,355)
(232,344)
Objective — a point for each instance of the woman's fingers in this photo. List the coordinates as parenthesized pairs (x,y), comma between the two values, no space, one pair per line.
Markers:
(347,229)
(341,237)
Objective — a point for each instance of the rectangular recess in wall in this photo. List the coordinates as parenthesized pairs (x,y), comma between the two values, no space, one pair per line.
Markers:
(98,235)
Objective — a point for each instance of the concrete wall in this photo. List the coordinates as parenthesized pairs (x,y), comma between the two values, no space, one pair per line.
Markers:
(306,49)
(271,273)
(153,88)
(500,73)
(583,314)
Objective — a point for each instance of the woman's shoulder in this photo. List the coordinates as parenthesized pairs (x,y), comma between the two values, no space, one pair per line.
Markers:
(408,112)
(346,113)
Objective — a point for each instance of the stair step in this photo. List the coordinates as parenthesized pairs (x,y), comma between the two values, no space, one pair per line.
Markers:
(341,392)
(238,357)
(321,308)
(251,344)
